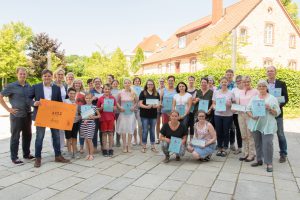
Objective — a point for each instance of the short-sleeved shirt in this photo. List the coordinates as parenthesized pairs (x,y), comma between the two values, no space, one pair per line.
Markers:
(180,132)
(148,113)
(18,96)
(182,100)
(106,116)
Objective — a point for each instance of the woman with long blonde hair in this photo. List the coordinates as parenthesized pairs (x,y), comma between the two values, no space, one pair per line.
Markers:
(126,123)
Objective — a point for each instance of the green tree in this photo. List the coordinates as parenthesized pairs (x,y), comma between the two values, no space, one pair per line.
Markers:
(76,64)
(137,60)
(292,9)
(39,47)
(220,55)
(14,40)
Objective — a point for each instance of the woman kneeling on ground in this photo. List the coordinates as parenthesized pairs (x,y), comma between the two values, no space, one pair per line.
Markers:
(204,141)
(173,129)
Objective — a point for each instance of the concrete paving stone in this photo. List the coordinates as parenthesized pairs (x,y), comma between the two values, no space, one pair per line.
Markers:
(147,165)
(21,168)
(192,165)
(254,177)
(103,194)
(106,164)
(163,170)
(135,160)
(254,190)
(283,175)
(159,194)
(69,194)
(149,181)
(66,183)
(298,182)
(226,187)
(15,178)
(48,178)
(218,196)
(5,173)
(181,174)
(17,191)
(120,157)
(47,166)
(218,158)
(288,185)
(260,170)
(88,172)
(133,193)
(208,168)
(191,192)
(156,159)
(74,167)
(135,173)
(117,170)
(296,171)
(202,178)
(93,183)
(224,176)
(42,194)
(281,167)
(119,183)
(171,185)
(284,194)
(213,163)
(3,168)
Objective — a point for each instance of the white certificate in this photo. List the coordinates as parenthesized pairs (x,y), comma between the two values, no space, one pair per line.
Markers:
(152,101)
(281,99)
(238,107)
(98,95)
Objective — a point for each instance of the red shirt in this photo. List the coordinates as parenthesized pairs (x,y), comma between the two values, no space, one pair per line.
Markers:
(106,116)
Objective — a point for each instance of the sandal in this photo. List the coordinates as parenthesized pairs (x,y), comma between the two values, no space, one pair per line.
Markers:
(219,153)
(154,149)
(144,150)
(223,154)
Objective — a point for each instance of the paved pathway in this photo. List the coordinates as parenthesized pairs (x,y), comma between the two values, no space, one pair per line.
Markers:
(143,176)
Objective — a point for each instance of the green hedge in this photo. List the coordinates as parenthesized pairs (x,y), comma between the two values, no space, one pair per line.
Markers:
(291,78)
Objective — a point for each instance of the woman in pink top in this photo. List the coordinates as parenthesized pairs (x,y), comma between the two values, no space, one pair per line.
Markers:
(243,99)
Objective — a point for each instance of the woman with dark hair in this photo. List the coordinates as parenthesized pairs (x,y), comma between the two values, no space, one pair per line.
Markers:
(203,143)
(137,89)
(182,102)
(149,102)
(173,129)
(205,94)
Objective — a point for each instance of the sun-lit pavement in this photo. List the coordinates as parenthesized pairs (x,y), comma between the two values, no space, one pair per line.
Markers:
(143,176)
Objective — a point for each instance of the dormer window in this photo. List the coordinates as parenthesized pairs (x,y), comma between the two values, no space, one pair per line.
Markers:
(182,42)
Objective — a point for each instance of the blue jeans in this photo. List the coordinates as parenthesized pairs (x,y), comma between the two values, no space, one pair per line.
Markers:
(223,124)
(148,124)
(281,137)
(40,133)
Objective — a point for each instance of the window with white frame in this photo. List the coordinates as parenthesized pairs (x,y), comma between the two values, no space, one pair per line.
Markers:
(292,41)
(193,65)
(182,42)
(267,62)
(269,34)
(292,64)
(243,34)
(169,68)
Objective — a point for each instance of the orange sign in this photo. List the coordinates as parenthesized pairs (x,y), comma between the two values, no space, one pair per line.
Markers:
(56,115)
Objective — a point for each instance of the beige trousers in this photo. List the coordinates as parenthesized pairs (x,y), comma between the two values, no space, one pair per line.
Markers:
(248,141)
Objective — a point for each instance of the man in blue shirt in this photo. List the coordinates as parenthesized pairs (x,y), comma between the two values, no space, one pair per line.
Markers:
(20,115)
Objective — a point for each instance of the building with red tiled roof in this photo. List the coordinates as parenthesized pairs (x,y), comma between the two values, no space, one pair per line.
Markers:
(271,35)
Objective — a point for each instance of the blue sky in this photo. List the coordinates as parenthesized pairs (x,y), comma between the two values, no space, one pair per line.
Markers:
(86,26)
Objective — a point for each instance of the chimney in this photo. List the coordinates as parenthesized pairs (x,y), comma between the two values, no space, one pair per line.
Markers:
(217,10)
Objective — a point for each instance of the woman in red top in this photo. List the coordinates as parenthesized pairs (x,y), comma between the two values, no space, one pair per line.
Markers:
(107,105)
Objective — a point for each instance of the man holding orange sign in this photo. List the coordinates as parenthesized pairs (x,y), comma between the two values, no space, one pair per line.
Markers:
(46,90)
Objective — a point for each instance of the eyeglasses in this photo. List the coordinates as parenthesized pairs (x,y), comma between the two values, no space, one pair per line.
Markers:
(202,116)
(149,84)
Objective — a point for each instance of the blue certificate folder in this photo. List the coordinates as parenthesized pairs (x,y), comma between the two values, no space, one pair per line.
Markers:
(180,109)
(221,104)
(108,105)
(167,103)
(137,90)
(203,105)
(175,144)
(127,105)
(276,92)
(258,108)
(86,111)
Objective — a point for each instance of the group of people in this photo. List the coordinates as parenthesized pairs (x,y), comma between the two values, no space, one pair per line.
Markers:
(206,119)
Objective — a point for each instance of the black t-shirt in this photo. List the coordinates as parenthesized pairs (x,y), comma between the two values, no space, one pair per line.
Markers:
(180,132)
(148,113)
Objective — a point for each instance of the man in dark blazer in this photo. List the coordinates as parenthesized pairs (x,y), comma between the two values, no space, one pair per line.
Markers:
(272,84)
(49,91)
